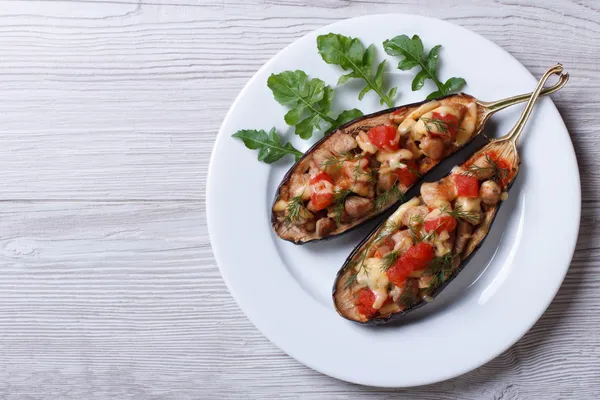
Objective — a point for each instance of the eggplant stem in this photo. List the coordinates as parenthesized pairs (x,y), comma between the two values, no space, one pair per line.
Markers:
(515,132)
(496,106)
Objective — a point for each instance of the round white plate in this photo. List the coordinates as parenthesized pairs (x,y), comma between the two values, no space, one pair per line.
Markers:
(285,290)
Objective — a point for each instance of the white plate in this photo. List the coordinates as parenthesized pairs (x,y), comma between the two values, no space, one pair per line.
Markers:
(285,290)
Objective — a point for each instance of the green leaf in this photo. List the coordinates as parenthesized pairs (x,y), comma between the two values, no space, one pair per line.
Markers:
(413,55)
(268,145)
(346,116)
(419,80)
(365,90)
(308,99)
(351,56)
(454,84)
(434,95)
(392,93)
(432,59)
(345,78)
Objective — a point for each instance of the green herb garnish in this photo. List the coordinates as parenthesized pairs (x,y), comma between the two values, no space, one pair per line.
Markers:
(269,146)
(350,54)
(339,200)
(414,55)
(498,174)
(360,265)
(471,217)
(392,194)
(309,101)
(439,267)
(389,259)
(443,127)
(295,210)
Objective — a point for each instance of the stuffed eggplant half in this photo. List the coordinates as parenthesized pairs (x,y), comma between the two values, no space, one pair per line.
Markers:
(364,167)
(422,246)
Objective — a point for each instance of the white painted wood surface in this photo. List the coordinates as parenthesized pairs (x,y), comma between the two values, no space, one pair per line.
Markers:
(108,286)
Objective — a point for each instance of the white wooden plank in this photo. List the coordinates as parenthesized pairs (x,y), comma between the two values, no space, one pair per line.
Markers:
(108,287)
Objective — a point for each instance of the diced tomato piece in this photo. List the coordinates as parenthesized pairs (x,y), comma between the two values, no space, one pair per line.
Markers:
(449,123)
(320,176)
(384,137)
(466,185)
(444,223)
(321,190)
(416,258)
(409,175)
(365,298)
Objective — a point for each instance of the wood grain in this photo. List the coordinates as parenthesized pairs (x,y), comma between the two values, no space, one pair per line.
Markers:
(108,286)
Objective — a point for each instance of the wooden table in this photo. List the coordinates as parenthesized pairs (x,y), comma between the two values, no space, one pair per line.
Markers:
(108,286)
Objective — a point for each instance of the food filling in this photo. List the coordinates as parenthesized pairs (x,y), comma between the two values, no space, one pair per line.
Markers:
(352,175)
(420,245)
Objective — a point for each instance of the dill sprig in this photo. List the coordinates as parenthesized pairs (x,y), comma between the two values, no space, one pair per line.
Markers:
(471,217)
(295,210)
(390,227)
(407,298)
(392,194)
(339,200)
(498,174)
(389,259)
(442,126)
(333,163)
(359,265)
(439,267)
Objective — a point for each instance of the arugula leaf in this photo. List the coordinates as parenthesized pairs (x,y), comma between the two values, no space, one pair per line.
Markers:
(350,54)
(414,56)
(309,101)
(268,145)
(346,116)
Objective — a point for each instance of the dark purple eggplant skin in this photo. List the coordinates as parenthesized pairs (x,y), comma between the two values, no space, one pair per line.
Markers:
(399,315)
(288,174)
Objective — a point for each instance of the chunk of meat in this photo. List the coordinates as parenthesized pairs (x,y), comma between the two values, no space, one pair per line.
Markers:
(483,168)
(438,194)
(490,193)
(320,160)
(471,205)
(299,186)
(402,240)
(357,207)
(325,226)
(463,234)
(357,170)
(340,142)
(385,181)
(415,215)
(432,147)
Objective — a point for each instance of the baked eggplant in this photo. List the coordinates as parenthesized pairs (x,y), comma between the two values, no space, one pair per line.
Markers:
(363,168)
(407,260)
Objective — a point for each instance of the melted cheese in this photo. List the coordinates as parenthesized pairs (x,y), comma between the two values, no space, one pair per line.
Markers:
(442,244)
(432,105)
(471,204)
(468,125)
(365,144)
(374,278)
(396,217)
